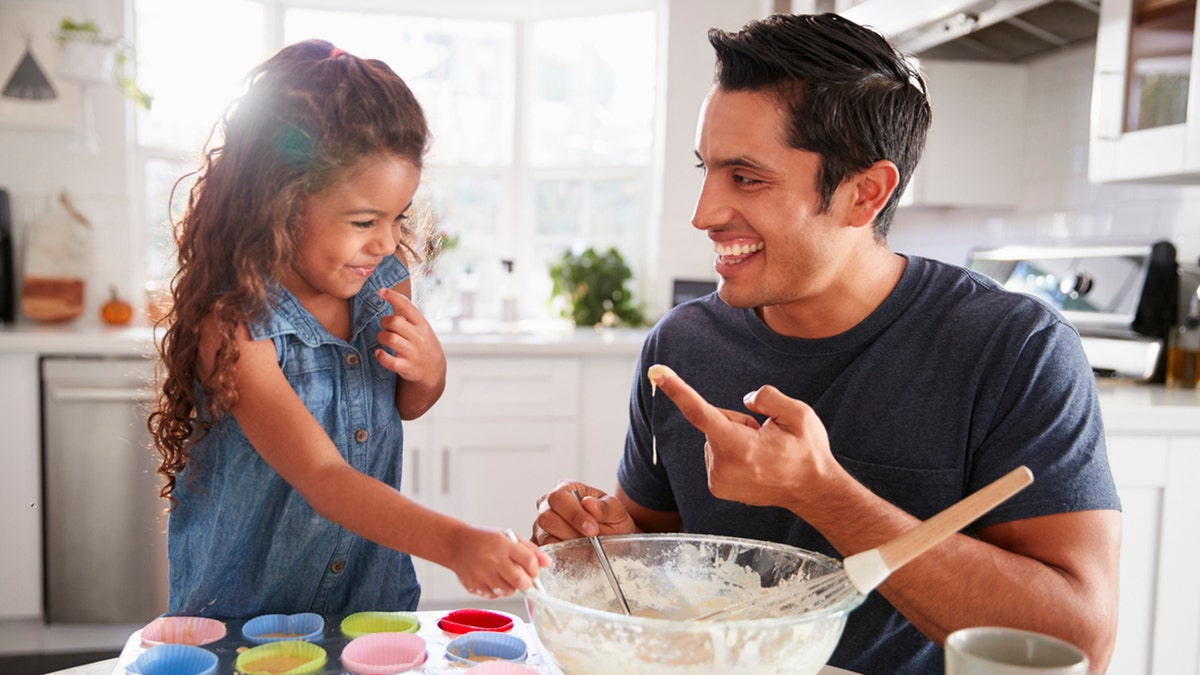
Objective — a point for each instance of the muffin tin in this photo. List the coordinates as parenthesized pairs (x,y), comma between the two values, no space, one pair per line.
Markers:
(326,633)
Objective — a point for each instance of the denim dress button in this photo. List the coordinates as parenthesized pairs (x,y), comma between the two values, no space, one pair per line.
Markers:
(361,435)
(337,567)
(352,359)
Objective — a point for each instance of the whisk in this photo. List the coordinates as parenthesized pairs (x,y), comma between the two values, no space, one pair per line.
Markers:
(862,572)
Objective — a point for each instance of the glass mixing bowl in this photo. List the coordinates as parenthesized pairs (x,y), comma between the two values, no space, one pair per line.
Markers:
(668,579)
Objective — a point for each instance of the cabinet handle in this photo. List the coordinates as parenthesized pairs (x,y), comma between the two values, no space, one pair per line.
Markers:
(416,471)
(105,394)
(445,471)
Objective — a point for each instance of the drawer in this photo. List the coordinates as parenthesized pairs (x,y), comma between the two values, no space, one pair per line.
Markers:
(524,387)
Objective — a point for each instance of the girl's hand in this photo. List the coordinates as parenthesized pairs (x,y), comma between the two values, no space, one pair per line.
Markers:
(417,354)
(491,565)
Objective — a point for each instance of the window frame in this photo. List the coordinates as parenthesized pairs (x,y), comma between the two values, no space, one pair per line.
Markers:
(517,231)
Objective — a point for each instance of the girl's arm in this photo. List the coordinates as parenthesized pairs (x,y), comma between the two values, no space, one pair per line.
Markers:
(293,443)
(417,355)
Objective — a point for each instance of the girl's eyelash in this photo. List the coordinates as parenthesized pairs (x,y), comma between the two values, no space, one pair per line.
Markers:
(362,223)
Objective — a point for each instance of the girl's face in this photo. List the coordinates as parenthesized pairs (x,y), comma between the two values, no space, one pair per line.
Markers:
(350,227)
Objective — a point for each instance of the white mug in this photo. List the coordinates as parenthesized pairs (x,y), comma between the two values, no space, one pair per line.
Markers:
(989,650)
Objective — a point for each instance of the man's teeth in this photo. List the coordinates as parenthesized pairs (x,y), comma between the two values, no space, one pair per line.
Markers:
(739,249)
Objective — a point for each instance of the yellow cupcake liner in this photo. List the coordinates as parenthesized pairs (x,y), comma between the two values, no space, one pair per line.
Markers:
(291,657)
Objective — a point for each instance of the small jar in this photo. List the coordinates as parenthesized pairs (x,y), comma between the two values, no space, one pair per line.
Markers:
(1183,355)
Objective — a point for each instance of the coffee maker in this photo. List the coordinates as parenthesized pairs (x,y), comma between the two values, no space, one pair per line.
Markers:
(1122,299)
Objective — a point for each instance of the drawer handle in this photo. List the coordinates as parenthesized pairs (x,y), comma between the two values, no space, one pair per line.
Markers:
(445,471)
(416,471)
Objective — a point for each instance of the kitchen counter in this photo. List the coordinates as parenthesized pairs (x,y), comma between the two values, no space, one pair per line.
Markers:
(1148,408)
(530,338)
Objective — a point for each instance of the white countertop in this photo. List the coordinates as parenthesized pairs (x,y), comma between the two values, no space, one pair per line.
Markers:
(1150,409)
(529,338)
(1126,406)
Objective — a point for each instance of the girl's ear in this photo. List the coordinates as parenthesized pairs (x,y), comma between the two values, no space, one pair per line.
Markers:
(873,187)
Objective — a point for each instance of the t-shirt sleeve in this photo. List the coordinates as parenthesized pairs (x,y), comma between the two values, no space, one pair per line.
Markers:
(1047,418)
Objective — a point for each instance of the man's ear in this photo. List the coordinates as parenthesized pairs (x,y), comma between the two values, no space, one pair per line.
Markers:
(873,187)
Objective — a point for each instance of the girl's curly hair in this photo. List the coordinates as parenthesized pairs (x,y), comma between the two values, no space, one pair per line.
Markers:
(308,113)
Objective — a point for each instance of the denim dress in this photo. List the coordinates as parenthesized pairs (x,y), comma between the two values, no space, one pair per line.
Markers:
(242,541)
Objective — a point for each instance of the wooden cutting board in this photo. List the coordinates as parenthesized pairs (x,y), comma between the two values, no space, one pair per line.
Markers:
(56,260)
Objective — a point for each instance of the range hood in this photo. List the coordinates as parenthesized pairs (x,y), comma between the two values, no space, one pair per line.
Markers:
(980,30)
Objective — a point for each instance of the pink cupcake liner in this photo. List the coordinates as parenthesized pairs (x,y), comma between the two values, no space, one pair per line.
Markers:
(182,630)
(384,652)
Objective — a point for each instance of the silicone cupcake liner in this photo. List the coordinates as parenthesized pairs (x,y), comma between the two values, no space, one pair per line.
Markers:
(279,627)
(365,623)
(474,648)
(463,621)
(384,653)
(182,630)
(174,660)
(292,657)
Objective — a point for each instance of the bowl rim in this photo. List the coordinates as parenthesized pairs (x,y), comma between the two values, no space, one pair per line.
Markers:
(536,596)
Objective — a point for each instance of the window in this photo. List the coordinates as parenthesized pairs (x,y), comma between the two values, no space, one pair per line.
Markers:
(543,129)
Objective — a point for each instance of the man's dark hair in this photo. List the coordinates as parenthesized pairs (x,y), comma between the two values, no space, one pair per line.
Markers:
(850,96)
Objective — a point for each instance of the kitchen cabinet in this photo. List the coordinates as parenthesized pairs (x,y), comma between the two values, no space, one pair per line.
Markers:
(505,431)
(973,151)
(1153,438)
(1145,116)
(20,487)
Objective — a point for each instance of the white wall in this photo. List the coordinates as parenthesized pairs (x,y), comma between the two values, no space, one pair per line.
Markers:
(1057,203)
(37,164)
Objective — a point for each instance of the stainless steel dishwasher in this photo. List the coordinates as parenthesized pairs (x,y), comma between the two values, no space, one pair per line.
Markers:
(104,532)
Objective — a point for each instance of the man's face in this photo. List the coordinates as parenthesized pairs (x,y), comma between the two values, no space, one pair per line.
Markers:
(760,206)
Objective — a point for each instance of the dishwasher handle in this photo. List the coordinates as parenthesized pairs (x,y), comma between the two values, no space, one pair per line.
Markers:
(101,394)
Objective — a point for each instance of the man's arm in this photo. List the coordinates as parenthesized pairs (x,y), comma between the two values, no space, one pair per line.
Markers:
(1054,574)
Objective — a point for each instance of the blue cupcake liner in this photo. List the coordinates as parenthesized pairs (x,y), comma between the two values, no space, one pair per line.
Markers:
(308,627)
(479,647)
(174,660)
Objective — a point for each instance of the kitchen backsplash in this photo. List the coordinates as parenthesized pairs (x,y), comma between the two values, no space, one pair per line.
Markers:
(1057,202)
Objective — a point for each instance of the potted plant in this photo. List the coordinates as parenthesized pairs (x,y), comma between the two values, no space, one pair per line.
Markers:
(91,57)
(593,285)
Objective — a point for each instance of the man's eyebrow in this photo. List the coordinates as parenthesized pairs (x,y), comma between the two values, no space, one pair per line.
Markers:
(738,161)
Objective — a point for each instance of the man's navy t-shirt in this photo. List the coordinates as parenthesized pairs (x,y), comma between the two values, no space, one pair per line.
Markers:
(950,383)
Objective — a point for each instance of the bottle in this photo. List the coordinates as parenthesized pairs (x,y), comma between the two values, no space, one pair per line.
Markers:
(468,287)
(1183,348)
(508,296)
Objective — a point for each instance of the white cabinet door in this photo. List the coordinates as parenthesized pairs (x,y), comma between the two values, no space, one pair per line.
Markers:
(20,487)
(492,474)
(1145,117)
(506,430)
(1159,623)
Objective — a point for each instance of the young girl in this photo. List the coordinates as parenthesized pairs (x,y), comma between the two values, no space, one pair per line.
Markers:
(293,352)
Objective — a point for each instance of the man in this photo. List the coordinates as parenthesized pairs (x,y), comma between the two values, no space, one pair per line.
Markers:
(883,388)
